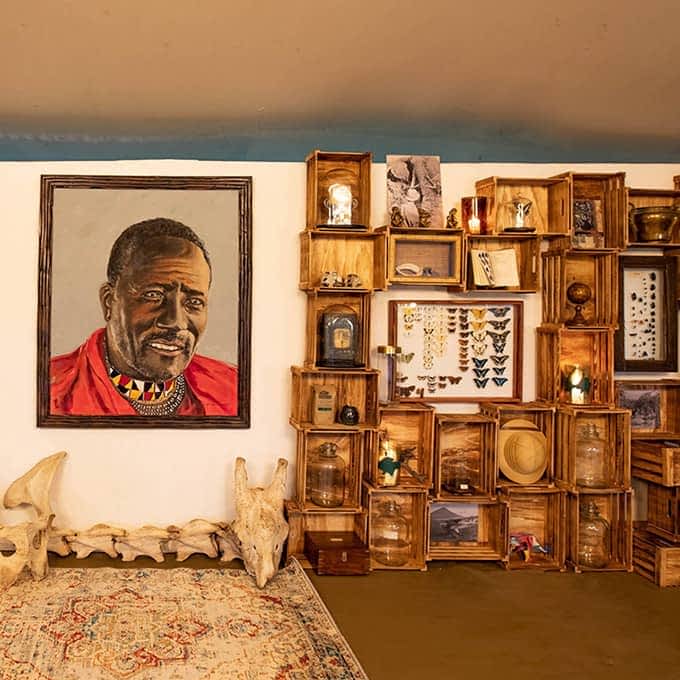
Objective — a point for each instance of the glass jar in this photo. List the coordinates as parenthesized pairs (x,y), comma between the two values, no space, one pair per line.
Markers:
(593,537)
(326,477)
(591,460)
(391,536)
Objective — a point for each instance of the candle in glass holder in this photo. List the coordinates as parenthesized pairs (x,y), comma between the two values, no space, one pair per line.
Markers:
(474,213)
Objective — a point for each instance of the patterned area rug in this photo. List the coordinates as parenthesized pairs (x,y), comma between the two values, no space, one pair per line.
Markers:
(167,624)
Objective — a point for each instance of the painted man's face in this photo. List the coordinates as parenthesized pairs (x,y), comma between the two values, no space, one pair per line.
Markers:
(157,310)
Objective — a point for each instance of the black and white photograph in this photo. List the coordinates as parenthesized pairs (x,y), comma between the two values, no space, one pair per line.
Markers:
(414,187)
(453,522)
(645,407)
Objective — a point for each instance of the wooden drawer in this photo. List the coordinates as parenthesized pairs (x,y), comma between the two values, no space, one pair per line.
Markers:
(339,553)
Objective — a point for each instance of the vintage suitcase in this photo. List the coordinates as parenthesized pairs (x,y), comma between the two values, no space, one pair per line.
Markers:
(339,553)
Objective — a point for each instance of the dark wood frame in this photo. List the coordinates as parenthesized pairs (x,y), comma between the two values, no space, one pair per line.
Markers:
(515,362)
(242,185)
(666,267)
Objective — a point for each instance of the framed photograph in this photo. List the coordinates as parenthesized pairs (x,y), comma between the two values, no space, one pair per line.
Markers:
(453,523)
(644,403)
(588,223)
(144,301)
(646,339)
(455,350)
(414,187)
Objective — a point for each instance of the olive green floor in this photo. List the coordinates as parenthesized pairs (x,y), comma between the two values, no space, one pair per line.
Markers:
(475,620)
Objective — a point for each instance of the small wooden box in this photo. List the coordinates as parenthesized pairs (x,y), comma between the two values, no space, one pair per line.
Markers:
(343,252)
(654,406)
(607,194)
(535,518)
(413,506)
(318,302)
(350,447)
(438,254)
(542,416)
(647,198)
(656,559)
(526,249)
(613,426)
(663,511)
(301,521)
(407,426)
(337,553)
(617,508)
(325,168)
(591,348)
(656,461)
(450,536)
(550,212)
(470,441)
(597,269)
(356,387)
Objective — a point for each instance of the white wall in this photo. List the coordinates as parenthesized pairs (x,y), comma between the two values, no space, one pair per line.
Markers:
(133,477)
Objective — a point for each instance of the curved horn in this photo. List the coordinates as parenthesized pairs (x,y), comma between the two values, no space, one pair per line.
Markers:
(240,481)
(276,490)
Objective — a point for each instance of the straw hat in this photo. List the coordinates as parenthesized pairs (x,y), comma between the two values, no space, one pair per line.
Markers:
(522,451)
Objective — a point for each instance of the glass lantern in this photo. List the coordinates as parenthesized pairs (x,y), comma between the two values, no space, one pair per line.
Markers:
(326,477)
(391,536)
(576,384)
(593,537)
(339,204)
(591,459)
(339,338)
(456,474)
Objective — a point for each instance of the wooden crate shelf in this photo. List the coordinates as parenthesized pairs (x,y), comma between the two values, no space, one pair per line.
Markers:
(356,387)
(325,168)
(453,533)
(663,511)
(407,427)
(318,302)
(413,506)
(598,199)
(560,348)
(656,461)
(654,406)
(643,198)
(613,428)
(526,249)
(350,447)
(596,269)
(616,508)
(655,559)
(550,212)
(438,255)
(466,443)
(343,252)
(300,521)
(541,416)
(535,518)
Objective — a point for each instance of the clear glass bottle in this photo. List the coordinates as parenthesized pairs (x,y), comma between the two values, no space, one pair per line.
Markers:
(326,477)
(591,460)
(593,537)
(391,536)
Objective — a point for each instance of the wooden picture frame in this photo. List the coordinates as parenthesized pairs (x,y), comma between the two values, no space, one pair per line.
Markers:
(188,253)
(647,337)
(456,350)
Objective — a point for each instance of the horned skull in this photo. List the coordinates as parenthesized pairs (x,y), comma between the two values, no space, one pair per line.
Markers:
(260,526)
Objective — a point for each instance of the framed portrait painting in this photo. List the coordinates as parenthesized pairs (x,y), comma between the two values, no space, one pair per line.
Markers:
(144,301)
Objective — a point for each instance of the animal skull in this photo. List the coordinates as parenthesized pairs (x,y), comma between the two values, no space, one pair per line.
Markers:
(260,526)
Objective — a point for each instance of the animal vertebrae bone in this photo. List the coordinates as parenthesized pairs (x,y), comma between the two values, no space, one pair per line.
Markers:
(256,536)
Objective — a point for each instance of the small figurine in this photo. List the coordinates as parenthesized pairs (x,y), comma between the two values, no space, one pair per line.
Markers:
(396,218)
(452,219)
(353,281)
(424,219)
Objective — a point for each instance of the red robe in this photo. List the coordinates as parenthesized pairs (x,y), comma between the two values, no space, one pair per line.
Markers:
(80,385)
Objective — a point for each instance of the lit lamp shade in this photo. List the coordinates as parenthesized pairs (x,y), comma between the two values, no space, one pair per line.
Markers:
(473,214)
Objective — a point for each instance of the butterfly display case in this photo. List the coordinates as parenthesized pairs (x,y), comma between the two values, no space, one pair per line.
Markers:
(456,350)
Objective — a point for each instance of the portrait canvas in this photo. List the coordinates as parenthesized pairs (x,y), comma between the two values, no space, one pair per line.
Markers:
(414,186)
(144,311)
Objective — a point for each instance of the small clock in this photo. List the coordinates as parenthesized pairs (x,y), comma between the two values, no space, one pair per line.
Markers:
(339,338)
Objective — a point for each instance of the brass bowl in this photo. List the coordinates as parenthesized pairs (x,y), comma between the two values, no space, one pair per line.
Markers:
(653,223)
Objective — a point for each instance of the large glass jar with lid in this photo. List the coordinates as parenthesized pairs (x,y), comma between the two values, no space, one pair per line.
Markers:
(591,458)
(326,477)
(593,537)
(391,535)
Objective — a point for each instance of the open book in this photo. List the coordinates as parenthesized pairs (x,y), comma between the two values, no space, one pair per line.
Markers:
(495,268)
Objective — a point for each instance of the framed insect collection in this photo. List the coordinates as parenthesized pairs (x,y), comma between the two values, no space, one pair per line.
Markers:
(455,350)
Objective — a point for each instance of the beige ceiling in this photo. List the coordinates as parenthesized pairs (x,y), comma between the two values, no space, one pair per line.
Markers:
(152,67)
